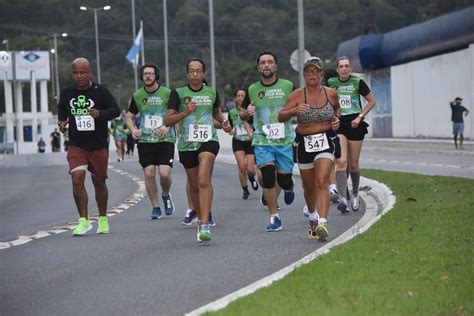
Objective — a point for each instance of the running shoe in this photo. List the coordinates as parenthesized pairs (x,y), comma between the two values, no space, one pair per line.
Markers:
(82,227)
(254,184)
(155,213)
(168,203)
(189,218)
(355,203)
(275,224)
(204,233)
(103,225)
(211,220)
(289,196)
(322,232)
(312,229)
(343,206)
(246,195)
(333,195)
(306,211)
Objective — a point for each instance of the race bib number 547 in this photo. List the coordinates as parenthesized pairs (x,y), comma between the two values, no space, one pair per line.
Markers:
(316,143)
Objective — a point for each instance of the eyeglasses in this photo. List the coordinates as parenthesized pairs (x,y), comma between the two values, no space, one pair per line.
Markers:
(312,72)
(197,71)
(149,74)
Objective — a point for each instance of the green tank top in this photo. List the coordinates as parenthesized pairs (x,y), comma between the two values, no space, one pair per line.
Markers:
(197,127)
(348,94)
(239,129)
(152,108)
(268,102)
(119,129)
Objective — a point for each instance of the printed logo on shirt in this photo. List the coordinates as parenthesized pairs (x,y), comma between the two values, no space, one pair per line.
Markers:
(81,105)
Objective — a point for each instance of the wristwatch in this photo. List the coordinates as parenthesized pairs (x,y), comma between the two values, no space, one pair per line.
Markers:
(361,115)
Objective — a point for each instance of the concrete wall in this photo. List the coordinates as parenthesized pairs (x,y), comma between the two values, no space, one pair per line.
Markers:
(421,92)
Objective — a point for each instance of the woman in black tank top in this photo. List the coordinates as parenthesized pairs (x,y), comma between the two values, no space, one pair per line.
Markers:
(316,145)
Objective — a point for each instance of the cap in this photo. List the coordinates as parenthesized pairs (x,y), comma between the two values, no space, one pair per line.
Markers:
(316,61)
(458,99)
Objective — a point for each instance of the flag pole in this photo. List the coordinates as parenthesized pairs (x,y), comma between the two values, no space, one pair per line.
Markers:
(143,42)
(133,39)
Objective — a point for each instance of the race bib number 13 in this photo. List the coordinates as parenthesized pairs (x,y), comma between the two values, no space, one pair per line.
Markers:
(199,133)
(316,143)
(85,123)
(153,121)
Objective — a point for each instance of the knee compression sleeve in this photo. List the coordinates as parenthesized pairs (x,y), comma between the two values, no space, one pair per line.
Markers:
(285,181)
(268,175)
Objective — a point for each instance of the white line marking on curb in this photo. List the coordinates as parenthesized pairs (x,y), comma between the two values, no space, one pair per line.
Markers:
(375,210)
(136,197)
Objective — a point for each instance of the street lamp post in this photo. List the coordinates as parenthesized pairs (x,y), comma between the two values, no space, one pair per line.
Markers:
(107,7)
(56,71)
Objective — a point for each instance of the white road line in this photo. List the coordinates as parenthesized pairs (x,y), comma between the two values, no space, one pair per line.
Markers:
(136,197)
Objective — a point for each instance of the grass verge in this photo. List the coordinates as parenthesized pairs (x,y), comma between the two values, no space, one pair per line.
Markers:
(417,260)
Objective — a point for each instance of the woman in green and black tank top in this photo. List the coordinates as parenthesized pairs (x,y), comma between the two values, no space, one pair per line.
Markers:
(242,145)
(352,130)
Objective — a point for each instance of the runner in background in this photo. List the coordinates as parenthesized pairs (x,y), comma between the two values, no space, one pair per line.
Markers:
(242,145)
(155,140)
(351,131)
(119,131)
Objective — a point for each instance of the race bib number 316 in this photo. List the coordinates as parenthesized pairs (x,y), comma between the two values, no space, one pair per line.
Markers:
(85,123)
(199,133)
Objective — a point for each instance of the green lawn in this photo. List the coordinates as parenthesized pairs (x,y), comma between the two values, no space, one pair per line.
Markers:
(417,260)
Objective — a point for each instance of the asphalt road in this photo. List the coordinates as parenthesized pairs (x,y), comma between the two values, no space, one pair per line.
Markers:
(141,267)
(157,267)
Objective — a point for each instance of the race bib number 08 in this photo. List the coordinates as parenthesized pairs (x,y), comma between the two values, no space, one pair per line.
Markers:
(199,133)
(345,101)
(85,123)
(274,131)
(153,121)
(315,143)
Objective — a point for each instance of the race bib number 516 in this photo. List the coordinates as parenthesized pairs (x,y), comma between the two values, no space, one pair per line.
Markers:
(199,133)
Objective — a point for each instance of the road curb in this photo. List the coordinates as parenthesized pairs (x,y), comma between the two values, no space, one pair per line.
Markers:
(379,200)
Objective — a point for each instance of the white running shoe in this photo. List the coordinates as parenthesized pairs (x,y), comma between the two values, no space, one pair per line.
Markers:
(355,203)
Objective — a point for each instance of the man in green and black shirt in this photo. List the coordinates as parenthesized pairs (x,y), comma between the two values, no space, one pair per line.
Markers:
(272,139)
(155,140)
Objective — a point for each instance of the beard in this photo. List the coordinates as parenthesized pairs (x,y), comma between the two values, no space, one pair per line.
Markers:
(267,74)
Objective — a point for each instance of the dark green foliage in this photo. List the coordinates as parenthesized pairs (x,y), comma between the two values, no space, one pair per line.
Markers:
(243,28)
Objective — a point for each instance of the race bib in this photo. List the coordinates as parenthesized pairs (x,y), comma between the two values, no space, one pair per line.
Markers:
(315,143)
(345,101)
(199,133)
(85,123)
(274,131)
(153,121)
(240,130)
